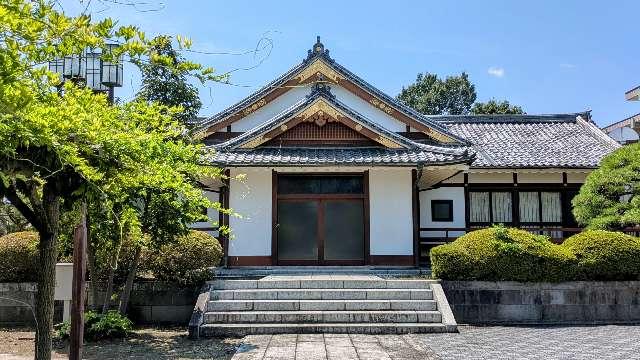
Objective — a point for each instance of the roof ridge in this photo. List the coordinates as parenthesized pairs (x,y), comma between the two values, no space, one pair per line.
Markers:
(509,118)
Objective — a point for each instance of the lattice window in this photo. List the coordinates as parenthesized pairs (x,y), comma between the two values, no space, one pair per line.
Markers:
(329,134)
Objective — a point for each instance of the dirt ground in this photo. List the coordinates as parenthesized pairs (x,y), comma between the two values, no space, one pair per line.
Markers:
(147,343)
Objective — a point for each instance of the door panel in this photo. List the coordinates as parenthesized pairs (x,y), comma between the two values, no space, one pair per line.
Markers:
(343,229)
(298,230)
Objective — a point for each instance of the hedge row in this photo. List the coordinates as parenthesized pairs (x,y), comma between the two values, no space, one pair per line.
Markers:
(507,254)
(184,262)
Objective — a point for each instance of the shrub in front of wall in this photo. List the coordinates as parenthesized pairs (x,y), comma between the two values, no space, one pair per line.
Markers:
(19,257)
(187,261)
(605,255)
(502,254)
(111,325)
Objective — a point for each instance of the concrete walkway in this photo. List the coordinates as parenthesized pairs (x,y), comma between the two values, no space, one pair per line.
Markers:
(332,347)
(492,342)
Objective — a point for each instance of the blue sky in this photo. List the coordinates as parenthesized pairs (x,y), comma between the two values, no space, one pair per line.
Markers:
(547,56)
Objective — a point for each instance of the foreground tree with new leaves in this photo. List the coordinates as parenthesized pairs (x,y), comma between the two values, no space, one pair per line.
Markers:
(610,197)
(59,145)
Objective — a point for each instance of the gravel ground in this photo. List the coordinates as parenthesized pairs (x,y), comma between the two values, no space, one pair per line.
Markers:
(147,343)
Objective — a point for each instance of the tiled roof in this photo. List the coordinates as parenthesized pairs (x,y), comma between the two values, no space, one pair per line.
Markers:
(265,156)
(413,153)
(532,141)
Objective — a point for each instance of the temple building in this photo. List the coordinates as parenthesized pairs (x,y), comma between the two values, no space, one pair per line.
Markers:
(336,172)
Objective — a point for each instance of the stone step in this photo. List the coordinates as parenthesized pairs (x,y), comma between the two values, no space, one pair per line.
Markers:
(225,330)
(327,305)
(322,294)
(321,282)
(300,317)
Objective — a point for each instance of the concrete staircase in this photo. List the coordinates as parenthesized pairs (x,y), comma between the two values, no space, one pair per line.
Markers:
(365,304)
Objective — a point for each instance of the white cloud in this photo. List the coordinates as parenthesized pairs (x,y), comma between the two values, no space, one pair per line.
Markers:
(496,71)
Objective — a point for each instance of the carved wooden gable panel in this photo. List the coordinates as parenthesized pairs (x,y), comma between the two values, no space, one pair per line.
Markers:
(324,131)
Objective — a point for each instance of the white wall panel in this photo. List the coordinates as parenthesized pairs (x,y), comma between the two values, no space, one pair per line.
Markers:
(251,198)
(391,222)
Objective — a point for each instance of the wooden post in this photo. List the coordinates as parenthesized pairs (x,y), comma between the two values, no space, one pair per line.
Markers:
(78,293)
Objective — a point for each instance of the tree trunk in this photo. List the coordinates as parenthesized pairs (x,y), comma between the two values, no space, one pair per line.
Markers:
(46,275)
(109,290)
(126,292)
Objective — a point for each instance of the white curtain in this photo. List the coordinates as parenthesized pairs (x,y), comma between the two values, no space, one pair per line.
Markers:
(501,204)
(529,206)
(551,207)
(479,209)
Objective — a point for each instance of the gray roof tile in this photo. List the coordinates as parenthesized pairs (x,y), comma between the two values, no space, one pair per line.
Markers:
(532,141)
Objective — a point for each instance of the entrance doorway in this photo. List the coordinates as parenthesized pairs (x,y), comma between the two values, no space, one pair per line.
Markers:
(320,219)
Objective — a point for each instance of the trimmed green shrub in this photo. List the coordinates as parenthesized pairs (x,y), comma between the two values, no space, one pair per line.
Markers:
(187,261)
(19,254)
(111,325)
(605,255)
(502,254)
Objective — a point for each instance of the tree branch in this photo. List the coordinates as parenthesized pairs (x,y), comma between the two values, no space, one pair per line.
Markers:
(11,193)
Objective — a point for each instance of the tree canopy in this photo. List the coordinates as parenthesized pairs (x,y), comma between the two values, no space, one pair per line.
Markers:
(495,107)
(167,86)
(610,197)
(60,143)
(455,95)
(431,95)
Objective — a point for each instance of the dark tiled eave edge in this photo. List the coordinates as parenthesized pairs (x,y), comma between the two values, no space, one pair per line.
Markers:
(320,92)
(221,116)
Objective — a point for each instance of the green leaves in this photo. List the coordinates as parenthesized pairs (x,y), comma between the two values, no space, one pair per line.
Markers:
(609,197)
(433,96)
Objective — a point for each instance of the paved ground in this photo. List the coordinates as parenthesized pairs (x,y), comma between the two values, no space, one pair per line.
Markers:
(597,342)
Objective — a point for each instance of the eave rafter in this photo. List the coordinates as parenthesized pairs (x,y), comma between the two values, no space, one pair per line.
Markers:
(321,112)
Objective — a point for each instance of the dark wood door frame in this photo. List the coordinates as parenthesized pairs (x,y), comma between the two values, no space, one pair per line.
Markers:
(319,197)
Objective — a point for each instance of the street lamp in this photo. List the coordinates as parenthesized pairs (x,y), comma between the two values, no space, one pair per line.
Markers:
(98,74)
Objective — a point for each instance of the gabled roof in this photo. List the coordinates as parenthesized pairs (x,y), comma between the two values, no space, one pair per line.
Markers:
(244,150)
(320,67)
(532,141)
(320,99)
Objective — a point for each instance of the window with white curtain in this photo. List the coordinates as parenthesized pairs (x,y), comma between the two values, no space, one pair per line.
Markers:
(551,207)
(490,207)
(479,207)
(544,206)
(501,209)
(529,206)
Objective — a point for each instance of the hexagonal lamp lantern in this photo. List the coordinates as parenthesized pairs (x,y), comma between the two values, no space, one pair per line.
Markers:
(99,75)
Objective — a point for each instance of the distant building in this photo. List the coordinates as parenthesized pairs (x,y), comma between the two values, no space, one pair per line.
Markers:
(626,131)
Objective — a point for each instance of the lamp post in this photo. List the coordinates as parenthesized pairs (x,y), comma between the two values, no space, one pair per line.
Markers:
(100,76)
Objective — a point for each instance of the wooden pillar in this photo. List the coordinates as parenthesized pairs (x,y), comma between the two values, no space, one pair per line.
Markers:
(415,196)
(78,291)
(224,218)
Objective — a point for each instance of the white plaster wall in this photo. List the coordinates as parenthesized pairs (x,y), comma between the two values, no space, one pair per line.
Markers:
(369,111)
(271,109)
(212,214)
(251,198)
(391,224)
(536,178)
(443,193)
(579,178)
(491,178)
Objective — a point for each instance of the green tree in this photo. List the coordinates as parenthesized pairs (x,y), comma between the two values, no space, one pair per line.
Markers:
(495,107)
(431,95)
(167,86)
(609,198)
(57,147)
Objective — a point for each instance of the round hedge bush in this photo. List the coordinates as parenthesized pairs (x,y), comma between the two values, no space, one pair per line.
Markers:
(186,261)
(502,254)
(605,255)
(19,254)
